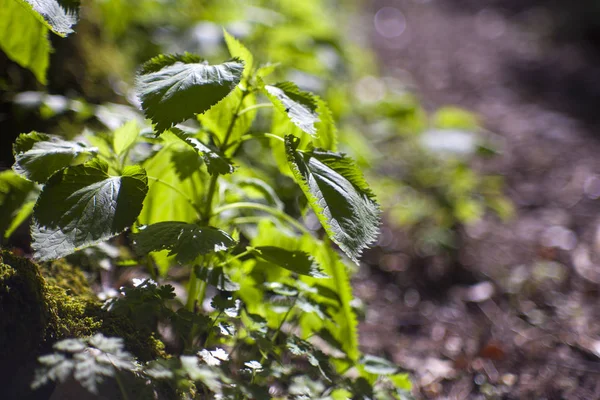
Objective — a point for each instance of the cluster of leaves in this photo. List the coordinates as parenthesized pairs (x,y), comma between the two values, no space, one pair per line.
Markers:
(192,193)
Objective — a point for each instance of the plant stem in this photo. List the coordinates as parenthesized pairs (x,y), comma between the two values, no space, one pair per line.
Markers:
(242,254)
(185,196)
(261,207)
(285,317)
(254,107)
(197,287)
(209,199)
(192,291)
(214,178)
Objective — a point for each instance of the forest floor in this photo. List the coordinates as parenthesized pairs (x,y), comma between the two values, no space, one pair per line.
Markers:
(516,314)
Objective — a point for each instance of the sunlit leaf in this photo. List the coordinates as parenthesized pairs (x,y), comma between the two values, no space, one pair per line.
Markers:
(14,209)
(125,136)
(299,262)
(219,118)
(24,38)
(378,366)
(174,88)
(83,205)
(38,156)
(339,196)
(238,50)
(300,107)
(58,16)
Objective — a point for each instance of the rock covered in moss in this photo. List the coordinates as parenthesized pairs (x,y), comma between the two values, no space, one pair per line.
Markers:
(40,305)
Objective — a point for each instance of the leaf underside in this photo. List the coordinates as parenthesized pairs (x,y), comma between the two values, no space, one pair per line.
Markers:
(339,196)
(83,205)
(216,163)
(55,15)
(299,106)
(175,88)
(296,261)
(185,241)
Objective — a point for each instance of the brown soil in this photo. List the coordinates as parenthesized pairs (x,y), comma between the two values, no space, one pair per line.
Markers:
(515,314)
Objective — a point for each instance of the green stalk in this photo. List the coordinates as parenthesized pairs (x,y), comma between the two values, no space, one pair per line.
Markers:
(254,107)
(197,287)
(261,207)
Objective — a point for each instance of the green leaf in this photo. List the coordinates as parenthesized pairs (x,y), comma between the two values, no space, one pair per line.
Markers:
(171,189)
(339,196)
(297,261)
(215,162)
(378,366)
(125,136)
(83,205)
(343,324)
(218,278)
(238,50)
(299,106)
(38,156)
(186,241)
(267,191)
(24,39)
(14,192)
(218,119)
(315,356)
(58,16)
(326,129)
(401,381)
(175,88)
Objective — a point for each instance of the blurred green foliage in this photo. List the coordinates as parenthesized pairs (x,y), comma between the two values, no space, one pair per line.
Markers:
(418,161)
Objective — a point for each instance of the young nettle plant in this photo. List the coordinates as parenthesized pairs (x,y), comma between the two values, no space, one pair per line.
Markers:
(203,197)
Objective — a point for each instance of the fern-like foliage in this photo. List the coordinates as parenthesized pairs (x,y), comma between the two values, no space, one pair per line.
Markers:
(89,361)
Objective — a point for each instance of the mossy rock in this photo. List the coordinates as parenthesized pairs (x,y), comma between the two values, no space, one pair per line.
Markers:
(40,305)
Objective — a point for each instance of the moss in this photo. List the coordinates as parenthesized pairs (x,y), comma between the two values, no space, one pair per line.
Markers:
(36,311)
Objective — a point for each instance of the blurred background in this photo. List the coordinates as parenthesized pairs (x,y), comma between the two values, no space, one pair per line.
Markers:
(476,123)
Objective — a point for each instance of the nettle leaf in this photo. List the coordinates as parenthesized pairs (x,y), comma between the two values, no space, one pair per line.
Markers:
(343,324)
(125,136)
(218,278)
(299,106)
(83,205)
(14,194)
(58,16)
(338,194)
(218,119)
(326,129)
(185,241)
(24,31)
(297,261)
(24,39)
(38,156)
(174,88)
(238,50)
(377,365)
(315,357)
(215,162)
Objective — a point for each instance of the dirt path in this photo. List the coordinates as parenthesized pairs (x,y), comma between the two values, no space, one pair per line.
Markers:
(530,327)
